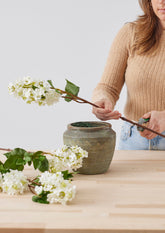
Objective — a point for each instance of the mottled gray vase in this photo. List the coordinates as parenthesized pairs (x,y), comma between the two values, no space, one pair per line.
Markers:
(98,139)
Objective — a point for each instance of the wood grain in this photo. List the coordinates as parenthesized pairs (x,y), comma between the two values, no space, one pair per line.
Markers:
(130,197)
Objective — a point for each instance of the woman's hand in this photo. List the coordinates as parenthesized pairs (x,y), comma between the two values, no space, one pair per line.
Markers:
(156,123)
(105,112)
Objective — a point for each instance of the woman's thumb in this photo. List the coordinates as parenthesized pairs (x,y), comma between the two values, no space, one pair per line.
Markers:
(108,105)
(147,115)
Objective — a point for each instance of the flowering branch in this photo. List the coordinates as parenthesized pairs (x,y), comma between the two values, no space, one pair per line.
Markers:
(44,92)
(53,185)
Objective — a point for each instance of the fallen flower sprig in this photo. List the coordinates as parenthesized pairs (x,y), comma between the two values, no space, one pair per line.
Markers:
(55,188)
(53,184)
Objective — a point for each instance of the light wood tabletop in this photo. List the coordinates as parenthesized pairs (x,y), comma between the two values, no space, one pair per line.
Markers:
(130,197)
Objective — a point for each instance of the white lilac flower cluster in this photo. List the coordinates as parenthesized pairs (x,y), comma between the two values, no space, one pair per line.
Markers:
(52,182)
(13,182)
(37,91)
(67,158)
(60,190)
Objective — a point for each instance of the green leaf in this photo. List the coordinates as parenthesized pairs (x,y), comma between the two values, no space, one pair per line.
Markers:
(41,198)
(10,163)
(71,88)
(36,163)
(28,157)
(1,163)
(44,165)
(20,161)
(37,154)
(40,161)
(34,87)
(15,159)
(42,158)
(2,169)
(51,84)
(17,151)
(29,163)
(7,154)
(20,167)
(67,175)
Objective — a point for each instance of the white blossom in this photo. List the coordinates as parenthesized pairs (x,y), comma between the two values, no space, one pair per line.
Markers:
(60,190)
(50,180)
(36,91)
(52,97)
(67,158)
(38,189)
(62,195)
(14,182)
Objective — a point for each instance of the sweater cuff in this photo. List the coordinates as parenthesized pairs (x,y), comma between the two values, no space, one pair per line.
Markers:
(101,93)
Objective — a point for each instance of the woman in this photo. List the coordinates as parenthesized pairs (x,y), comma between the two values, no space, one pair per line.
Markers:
(137,58)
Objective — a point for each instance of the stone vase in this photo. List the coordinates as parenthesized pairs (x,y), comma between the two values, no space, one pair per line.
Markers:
(96,137)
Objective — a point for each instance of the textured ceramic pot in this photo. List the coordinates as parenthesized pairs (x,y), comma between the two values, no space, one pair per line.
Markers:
(98,139)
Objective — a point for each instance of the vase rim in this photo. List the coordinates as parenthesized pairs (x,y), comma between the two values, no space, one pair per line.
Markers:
(89,125)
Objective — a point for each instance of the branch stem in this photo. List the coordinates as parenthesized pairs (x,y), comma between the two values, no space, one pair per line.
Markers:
(144,127)
(31,187)
(33,182)
(125,119)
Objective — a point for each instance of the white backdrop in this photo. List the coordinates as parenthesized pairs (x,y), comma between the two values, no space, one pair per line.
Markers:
(58,40)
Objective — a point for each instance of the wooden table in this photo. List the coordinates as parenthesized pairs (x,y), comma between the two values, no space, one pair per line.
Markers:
(130,197)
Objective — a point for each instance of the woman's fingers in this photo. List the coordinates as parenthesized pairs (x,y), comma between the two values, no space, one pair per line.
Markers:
(104,112)
(147,135)
(152,124)
(104,115)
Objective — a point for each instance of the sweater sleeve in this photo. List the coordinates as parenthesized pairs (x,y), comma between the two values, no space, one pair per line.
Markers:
(113,78)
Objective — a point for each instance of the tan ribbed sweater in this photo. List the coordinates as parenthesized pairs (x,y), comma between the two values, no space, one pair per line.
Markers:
(144,76)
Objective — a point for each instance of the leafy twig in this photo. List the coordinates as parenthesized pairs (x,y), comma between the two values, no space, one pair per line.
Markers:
(31,187)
